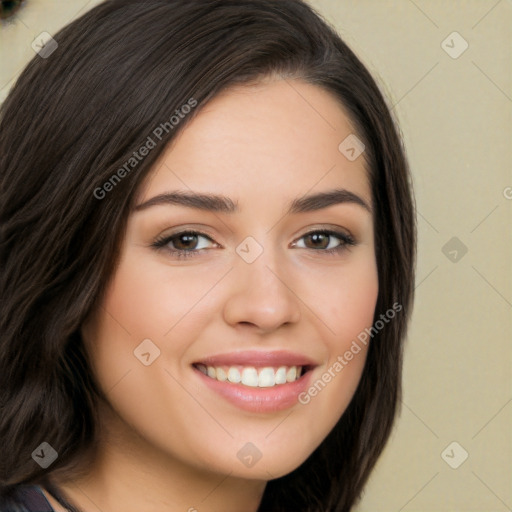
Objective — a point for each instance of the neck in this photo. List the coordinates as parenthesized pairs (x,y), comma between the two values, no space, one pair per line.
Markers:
(128,474)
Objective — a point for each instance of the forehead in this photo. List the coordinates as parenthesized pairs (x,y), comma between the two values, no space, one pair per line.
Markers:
(262,143)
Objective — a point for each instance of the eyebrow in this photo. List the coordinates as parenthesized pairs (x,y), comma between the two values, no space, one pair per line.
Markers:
(223,204)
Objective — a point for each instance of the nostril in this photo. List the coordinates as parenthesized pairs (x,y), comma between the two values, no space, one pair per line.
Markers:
(8,8)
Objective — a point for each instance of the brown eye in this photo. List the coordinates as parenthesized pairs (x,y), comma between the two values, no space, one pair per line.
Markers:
(320,240)
(185,243)
(9,7)
(185,240)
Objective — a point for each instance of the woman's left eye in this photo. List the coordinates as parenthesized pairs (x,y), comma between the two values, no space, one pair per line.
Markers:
(321,237)
(186,243)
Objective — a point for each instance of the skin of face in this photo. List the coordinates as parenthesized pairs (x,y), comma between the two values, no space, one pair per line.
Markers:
(163,430)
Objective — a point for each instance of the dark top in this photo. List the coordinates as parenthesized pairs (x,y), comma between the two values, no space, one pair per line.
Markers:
(26,498)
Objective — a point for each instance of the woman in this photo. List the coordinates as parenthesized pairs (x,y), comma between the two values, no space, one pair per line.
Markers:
(207,253)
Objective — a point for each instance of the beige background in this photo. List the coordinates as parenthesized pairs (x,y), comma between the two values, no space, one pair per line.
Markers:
(456,117)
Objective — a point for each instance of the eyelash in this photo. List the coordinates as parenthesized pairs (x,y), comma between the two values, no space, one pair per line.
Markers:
(162,242)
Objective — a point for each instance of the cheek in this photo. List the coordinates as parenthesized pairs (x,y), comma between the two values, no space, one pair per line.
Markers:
(346,299)
(352,314)
(353,303)
(152,300)
(346,307)
(143,304)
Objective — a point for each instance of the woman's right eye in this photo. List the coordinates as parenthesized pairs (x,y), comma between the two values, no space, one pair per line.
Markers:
(181,243)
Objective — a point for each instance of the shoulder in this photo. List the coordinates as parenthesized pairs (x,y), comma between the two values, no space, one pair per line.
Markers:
(25,498)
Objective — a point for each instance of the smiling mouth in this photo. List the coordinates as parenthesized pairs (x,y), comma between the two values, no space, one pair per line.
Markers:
(252,376)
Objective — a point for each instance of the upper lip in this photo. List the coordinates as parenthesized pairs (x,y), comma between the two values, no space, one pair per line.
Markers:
(258,358)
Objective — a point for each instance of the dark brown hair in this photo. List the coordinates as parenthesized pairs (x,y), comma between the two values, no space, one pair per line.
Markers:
(73,119)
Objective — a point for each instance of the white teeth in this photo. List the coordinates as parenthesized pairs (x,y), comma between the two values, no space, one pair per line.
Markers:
(250,376)
(266,378)
(221,375)
(281,375)
(291,374)
(234,375)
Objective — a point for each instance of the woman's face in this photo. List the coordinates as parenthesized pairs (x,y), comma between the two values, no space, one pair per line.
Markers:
(263,288)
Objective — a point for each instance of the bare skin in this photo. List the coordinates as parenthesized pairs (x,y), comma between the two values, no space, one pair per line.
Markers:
(169,442)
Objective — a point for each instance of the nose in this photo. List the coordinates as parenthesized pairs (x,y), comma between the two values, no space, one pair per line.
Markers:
(261,295)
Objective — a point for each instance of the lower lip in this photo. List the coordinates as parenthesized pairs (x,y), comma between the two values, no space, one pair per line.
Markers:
(253,399)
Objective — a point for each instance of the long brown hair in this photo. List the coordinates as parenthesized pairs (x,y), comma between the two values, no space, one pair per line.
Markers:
(70,123)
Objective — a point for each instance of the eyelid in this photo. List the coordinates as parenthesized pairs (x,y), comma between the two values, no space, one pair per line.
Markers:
(162,240)
(327,227)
